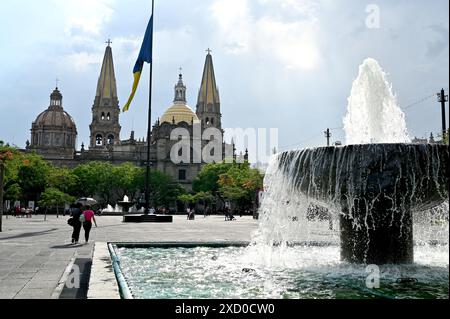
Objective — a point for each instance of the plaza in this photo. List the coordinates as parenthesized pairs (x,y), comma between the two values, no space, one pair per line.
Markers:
(35,254)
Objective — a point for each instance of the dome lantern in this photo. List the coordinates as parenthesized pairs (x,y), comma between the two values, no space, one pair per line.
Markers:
(179,111)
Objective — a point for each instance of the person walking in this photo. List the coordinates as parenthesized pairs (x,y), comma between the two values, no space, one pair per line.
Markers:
(88,217)
(188,210)
(75,213)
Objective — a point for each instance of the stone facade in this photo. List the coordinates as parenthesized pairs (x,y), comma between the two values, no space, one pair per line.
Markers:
(105,143)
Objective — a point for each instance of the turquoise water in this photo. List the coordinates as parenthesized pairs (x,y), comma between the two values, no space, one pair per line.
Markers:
(295,272)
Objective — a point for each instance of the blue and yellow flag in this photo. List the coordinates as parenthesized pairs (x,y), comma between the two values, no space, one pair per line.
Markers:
(145,55)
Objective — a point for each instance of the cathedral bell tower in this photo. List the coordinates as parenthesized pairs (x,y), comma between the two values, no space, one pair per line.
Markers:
(105,127)
(208,103)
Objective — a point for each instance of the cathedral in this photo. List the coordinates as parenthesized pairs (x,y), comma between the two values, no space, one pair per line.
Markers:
(54,132)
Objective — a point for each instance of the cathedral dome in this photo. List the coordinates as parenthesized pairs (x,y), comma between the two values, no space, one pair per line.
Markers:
(55,116)
(54,132)
(179,112)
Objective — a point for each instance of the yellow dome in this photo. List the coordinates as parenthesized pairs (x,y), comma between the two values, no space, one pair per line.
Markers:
(179,112)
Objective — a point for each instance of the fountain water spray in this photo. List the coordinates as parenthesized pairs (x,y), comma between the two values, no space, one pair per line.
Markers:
(373,114)
(374,187)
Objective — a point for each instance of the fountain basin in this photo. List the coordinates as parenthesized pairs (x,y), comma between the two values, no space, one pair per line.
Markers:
(223,270)
(125,205)
(375,188)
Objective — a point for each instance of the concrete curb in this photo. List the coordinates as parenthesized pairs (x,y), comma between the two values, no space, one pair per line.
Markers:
(103,283)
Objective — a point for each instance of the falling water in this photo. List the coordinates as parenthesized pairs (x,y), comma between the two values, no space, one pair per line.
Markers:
(306,191)
(373,114)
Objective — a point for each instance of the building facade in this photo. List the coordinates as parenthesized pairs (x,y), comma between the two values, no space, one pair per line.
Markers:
(54,133)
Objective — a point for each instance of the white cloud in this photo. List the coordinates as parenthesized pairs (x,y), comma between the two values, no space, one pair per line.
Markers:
(83,24)
(83,60)
(235,23)
(85,15)
(291,42)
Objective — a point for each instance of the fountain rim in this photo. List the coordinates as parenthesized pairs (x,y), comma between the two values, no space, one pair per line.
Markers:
(365,146)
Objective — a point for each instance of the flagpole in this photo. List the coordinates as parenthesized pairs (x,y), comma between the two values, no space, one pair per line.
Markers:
(149,129)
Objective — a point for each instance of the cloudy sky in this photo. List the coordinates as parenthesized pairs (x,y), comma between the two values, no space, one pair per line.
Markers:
(286,64)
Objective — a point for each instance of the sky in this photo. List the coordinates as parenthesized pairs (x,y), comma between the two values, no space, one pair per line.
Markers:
(286,64)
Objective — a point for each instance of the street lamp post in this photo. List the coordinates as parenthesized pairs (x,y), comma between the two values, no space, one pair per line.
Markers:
(442,98)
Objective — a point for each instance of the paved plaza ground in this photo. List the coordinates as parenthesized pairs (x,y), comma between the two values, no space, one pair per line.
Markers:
(34,254)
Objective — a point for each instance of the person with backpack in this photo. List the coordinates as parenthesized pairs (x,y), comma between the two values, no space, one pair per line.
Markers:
(86,218)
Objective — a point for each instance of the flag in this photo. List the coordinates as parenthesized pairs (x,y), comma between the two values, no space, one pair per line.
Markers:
(145,55)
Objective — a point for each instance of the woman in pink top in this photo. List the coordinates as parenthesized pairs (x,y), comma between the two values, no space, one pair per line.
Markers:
(89,216)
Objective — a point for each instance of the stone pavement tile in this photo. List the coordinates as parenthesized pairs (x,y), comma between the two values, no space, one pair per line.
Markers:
(7,295)
(10,290)
(17,278)
(41,284)
(14,282)
(39,293)
(44,272)
(26,272)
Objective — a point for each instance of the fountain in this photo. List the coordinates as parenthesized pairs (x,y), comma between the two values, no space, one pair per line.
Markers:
(375,183)
(152,218)
(125,205)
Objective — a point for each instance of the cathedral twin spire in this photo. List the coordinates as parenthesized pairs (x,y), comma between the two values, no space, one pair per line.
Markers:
(105,127)
(107,87)
(208,103)
(209,93)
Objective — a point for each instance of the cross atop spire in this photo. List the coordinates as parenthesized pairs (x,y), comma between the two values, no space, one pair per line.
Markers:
(208,51)
(180,69)
(108,42)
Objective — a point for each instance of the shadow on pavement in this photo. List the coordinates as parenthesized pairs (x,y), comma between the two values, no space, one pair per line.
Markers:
(25,235)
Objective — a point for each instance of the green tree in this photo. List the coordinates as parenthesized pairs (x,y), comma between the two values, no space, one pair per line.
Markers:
(94,178)
(240,184)
(63,179)
(208,179)
(32,176)
(204,198)
(53,197)
(13,193)
(5,156)
(186,199)
(163,191)
(126,180)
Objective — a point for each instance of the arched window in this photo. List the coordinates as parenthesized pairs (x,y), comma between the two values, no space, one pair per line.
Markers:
(108,116)
(207,121)
(99,140)
(103,116)
(110,139)
(212,121)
